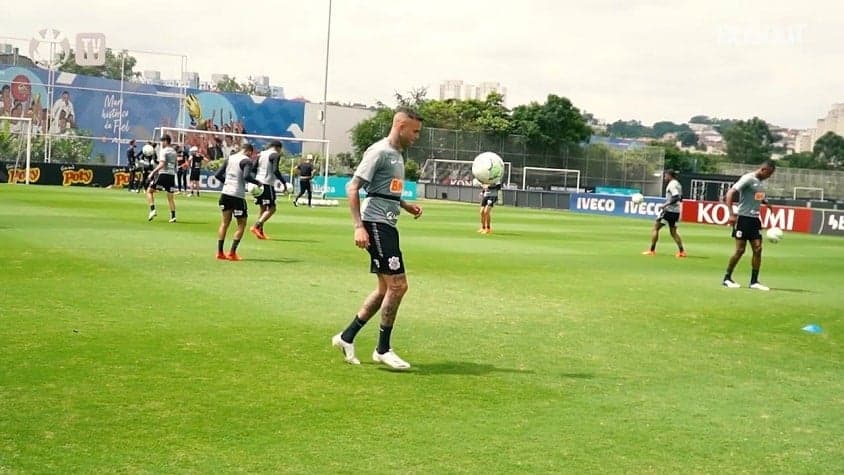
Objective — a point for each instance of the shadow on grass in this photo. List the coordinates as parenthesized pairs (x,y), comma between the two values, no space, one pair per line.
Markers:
(309,241)
(280,260)
(796,291)
(506,233)
(462,368)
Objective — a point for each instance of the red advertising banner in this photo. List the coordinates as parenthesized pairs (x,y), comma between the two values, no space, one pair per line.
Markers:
(712,212)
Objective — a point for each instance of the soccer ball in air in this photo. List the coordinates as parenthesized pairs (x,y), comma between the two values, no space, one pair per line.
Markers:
(774,234)
(637,198)
(148,150)
(255,190)
(488,168)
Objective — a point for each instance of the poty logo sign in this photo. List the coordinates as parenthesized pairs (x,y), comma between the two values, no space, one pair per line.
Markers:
(644,209)
(789,219)
(713,213)
(90,49)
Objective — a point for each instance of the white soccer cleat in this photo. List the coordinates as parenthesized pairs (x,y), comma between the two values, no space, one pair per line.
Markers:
(172,220)
(152,214)
(390,359)
(348,349)
(730,284)
(758,286)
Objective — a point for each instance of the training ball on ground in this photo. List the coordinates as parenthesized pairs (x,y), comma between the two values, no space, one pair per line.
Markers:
(255,190)
(637,198)
(148,150)
(774,234)
(488,168)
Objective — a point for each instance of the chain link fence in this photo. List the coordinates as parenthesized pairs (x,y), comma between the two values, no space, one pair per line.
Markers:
(791,182)
(599,165)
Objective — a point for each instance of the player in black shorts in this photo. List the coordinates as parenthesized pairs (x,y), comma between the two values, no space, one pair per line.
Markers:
(489,196)
(130,166)
(195,162)
(234,173)
(306,173)
(669,214)
(181,171)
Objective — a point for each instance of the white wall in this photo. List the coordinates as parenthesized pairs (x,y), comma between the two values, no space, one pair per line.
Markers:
(340,121)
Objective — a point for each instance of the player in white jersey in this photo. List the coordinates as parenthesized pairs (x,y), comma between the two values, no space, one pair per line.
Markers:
(268,174)
(234,173)
(669,214)
(746,222)
(381,175)
(163,177)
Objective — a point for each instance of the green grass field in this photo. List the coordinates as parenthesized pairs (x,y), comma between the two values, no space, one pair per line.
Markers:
(549,346)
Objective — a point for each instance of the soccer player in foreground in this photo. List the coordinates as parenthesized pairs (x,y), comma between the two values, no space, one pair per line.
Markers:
(489,196)
(165,178)
(234,173)
(747,226)
(381,175)
(267,175)
(669,214)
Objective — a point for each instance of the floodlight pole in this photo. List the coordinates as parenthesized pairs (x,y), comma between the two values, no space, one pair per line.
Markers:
(120,116)
(325,90)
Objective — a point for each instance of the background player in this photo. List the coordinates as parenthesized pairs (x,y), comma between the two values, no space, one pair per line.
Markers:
(489,196)
(669,214)
(234,173)
(163,177)
(268,174)
(306,172)
(195,162)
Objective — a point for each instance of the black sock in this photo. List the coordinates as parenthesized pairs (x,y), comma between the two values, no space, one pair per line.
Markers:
(352,330)
(173,214)
(728,276)
(152,207)
(681,248)
(653,247)
(259,224)
(235,243)
(220,244)
(754,276)
(384,339)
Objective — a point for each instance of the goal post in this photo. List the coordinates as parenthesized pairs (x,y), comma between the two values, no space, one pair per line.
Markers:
(811,192)
(454,172)
(16,141)
(555,179)
(231,143)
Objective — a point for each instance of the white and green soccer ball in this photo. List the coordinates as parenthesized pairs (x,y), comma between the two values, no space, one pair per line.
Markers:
(148,150)
(637,198)
(255,190)
(488,168)
(774,234)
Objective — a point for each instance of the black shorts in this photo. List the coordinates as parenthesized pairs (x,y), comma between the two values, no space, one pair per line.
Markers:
(234,204)
(747,228)
(668,217)
(304,185)
(165,182)
(194,174)
(267,198)
(384,249)
(488,201)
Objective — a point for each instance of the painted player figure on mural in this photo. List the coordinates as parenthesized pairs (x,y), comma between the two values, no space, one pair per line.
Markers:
(669,214)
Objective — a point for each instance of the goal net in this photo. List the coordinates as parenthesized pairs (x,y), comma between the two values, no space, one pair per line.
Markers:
(16,148)
(807,192)
(550,179)
(454,172)
(207,140)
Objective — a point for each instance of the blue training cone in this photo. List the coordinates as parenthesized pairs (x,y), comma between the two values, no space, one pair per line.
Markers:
(812,328)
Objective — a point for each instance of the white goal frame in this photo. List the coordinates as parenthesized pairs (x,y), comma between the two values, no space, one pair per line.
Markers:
(28,128)
(807,188)
(566,170)
(508,166)
(179,133)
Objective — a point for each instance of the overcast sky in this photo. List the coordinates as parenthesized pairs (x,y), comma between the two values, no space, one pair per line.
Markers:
(646,60)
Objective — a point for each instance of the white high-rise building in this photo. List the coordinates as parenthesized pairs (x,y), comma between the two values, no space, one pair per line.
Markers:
(451,89)
(833,122)
(217,78)
(457,89)
(190,79)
